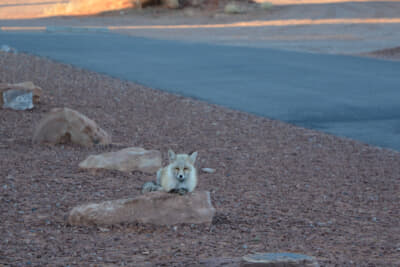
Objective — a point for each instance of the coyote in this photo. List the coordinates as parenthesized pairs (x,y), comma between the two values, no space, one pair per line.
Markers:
(179,176)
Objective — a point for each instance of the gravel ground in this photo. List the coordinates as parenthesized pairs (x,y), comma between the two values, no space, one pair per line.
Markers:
(277,187)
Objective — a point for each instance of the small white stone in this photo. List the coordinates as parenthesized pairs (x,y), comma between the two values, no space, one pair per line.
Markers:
(208,170)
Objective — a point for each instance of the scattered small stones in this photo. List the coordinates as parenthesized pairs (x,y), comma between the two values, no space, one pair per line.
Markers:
(125,160)
(157,208)
(275,209)
(64,125)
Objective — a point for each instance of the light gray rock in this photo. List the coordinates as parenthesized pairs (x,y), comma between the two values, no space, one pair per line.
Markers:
(17,100)
(64,125)
(285,259)
(8,49)
(19,96)
(157,208)
(125,160)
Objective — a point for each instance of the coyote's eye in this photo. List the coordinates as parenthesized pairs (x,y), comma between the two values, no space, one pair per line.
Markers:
(185,169)
(176,169)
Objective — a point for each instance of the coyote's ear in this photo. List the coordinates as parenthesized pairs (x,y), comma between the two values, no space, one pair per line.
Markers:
(171,156)
(193,157)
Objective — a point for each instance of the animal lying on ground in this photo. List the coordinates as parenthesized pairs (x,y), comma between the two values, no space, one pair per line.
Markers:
(179,176)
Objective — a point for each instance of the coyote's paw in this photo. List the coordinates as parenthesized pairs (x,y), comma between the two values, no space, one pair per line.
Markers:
(180,191)
(150,187)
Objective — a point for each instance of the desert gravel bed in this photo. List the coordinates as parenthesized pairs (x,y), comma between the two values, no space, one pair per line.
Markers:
(277,187)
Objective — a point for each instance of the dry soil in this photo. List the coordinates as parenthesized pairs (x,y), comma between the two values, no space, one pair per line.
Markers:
(277,187)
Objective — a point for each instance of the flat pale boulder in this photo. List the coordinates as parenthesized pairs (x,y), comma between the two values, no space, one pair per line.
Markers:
(64,125)
(283,259)
(19,96)
(157,208)
(125,160)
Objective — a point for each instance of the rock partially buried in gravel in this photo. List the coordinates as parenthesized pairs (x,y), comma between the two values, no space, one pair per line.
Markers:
(19,96)
(64,125)
(125,160)
(285,259)
(157,208)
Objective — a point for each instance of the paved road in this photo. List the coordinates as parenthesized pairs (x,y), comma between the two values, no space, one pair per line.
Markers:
(353,27)
(342,95)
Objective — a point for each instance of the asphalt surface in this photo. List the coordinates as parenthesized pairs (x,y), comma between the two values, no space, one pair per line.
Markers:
(342,95)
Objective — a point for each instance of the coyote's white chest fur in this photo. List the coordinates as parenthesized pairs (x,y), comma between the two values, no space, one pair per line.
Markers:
(179,176)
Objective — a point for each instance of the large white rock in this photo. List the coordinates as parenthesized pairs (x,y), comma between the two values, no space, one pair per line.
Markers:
(157,208)
(125,160)
(63,125)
